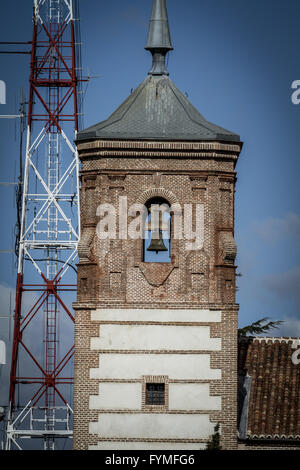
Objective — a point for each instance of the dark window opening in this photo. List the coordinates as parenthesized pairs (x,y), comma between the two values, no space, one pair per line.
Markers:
(155,394)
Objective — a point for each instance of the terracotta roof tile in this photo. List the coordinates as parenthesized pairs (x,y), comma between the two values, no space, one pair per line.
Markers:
(274,400)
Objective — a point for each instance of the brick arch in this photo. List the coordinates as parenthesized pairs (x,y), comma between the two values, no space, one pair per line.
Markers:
(157,192)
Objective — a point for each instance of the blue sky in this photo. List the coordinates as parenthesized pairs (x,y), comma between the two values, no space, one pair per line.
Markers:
(236,60)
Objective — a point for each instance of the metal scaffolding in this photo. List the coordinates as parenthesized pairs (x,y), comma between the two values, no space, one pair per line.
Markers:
(48,234)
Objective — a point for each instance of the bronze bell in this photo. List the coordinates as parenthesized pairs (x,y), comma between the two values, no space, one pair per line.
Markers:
(157,243)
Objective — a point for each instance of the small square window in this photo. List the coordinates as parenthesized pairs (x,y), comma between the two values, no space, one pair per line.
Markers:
(155,393)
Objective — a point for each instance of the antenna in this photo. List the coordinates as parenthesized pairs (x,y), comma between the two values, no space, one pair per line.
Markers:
(47,232)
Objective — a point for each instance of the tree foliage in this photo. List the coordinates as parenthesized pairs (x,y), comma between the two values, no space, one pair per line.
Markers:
(258,327)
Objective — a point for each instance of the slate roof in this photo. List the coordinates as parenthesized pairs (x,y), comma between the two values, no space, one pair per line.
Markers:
(157,110)
(272,396)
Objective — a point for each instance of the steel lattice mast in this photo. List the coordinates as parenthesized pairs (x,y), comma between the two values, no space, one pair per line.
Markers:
(49,231)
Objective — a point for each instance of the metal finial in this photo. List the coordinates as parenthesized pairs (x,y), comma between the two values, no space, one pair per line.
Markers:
(159,38)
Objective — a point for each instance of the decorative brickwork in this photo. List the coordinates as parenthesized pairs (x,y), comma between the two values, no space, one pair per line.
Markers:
(175,322)
(172,322)
(111,274)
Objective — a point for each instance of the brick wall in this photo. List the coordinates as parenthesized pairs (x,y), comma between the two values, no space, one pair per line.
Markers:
(111,274)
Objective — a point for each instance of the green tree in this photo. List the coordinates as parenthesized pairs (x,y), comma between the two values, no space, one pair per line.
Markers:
(258,327)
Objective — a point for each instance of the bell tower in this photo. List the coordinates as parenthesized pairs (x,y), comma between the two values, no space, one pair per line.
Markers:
(156,315)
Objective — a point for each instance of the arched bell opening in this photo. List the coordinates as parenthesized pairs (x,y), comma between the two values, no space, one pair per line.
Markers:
(157,232)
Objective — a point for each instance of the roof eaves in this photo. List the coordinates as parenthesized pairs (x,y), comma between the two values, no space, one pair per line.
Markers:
(212,128)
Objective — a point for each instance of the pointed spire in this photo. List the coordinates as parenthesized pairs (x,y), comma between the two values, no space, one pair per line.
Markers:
(159,38)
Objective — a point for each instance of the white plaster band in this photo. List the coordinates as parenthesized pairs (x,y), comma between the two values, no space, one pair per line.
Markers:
(157,315)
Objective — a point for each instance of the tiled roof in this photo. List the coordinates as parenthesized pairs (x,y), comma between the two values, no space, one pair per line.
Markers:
(271,409)
(157,110)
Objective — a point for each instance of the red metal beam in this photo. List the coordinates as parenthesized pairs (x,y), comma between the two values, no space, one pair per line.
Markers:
(54,44)
(46,55)
(59,79)
(74,79)
(42,300)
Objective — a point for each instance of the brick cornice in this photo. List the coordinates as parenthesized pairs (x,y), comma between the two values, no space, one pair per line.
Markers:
(158,145)
(147,149)
(156,154)
(193,174)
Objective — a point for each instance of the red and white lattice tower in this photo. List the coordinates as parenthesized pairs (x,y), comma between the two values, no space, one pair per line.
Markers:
(41,372)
